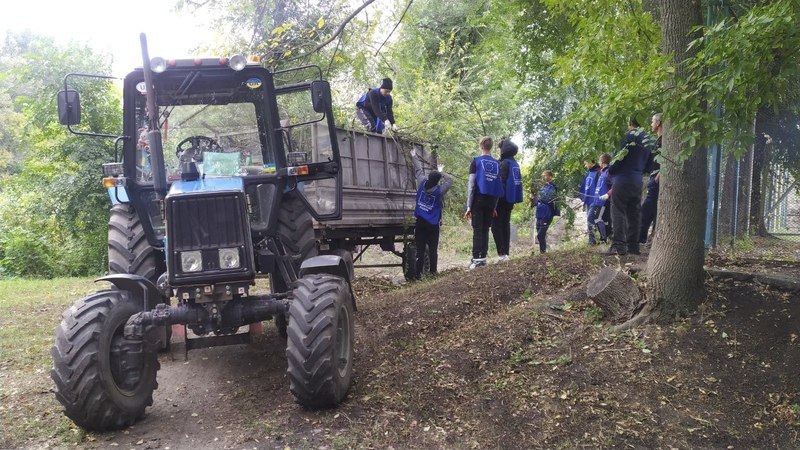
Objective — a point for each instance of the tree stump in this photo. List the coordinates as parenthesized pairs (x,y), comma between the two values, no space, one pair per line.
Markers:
(615,293)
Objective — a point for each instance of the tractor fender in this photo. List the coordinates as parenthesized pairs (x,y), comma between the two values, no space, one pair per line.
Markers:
(330,264)
(136,285)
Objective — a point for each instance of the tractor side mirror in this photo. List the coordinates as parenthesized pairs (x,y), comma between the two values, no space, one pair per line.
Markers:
(69,107)
(320,95)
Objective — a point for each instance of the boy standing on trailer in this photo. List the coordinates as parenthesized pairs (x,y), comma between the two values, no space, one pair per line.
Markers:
(483,190)
(428,211)
(374,108)
(511,179)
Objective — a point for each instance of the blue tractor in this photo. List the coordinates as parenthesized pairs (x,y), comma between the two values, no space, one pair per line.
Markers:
(217,185)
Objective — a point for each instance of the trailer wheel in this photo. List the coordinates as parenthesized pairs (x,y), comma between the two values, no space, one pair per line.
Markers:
(97,390)
(320,344)
(410,261)
(130,252)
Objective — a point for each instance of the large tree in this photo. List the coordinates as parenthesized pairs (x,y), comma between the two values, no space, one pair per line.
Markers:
(675,266)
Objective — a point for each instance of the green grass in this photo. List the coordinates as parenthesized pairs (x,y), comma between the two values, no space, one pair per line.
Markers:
(29,312)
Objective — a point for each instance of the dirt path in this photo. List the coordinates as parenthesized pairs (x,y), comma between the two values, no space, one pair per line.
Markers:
(506,356)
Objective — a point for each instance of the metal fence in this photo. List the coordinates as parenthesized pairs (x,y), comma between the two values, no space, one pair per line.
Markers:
(747,200)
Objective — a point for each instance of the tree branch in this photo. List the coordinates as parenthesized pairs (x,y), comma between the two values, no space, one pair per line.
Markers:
(335,33)
(402,16)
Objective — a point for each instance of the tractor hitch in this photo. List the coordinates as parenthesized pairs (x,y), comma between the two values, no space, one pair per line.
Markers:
(208,316)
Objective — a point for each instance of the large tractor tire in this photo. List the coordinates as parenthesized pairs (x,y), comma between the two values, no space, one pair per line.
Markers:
(87,370)
(410,262)
(128,249)
(320,344)
(296,230)
(130,252)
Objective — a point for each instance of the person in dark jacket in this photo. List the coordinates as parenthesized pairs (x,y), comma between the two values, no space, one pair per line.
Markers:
(598,201)
(431,189)
(650,204)
(587,194)
(626,175)
(374,108)
(483,191)
(546,209)
(511,179)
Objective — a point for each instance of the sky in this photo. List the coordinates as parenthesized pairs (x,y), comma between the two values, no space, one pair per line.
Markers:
(111,26)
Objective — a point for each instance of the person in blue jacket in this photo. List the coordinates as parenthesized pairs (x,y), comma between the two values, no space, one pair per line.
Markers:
(598,201)
(587,193)
(511,179)
(484,188)
(626,200)
(374,108)
(546,209)
(431,189)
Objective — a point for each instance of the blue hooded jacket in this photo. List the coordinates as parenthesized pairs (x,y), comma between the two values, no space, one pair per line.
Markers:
(589,183)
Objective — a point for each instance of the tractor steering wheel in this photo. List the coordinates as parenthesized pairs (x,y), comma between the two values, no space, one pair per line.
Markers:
(193,147)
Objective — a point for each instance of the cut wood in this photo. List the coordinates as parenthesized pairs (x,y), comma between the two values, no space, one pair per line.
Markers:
(615,292)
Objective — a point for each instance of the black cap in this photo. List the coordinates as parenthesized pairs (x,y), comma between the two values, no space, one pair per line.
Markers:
(433,179)
(386,84)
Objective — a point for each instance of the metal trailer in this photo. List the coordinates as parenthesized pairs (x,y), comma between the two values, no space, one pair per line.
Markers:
(378,194)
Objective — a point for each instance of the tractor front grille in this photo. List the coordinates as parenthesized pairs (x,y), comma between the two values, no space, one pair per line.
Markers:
(207,222)
(199,222)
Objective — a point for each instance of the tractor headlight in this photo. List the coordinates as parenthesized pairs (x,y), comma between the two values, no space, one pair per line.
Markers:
(237,62)
(229,258)
(191,261)
(158,64)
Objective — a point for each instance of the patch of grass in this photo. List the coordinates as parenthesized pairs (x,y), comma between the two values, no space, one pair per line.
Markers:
(519,356)
(412,344)
(597,260)
(30,309)
(563,360)
(796,408)
(593,314)
(641,345)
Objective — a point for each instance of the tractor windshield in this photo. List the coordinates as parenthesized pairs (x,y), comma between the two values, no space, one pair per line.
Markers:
(214,122)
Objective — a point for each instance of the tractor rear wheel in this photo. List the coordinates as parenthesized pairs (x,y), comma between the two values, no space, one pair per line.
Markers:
(130,252)
(296,231)
(320,344)
(97,385)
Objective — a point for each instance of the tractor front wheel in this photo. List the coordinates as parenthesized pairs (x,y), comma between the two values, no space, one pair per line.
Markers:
(320,343)
(104,381)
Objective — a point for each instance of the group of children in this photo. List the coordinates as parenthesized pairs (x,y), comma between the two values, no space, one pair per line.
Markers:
(494,187)
(632,218)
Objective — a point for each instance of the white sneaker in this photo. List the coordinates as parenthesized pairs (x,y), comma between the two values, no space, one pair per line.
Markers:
(480,262)
(502,258)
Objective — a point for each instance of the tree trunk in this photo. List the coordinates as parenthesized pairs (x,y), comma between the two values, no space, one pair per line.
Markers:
(675,268)
(615,292)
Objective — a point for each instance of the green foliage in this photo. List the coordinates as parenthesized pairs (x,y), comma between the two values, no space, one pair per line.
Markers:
(53,213)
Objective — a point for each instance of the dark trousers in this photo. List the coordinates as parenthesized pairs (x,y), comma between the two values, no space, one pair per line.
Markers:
(426,236)
(541,233)
(626,214)
(649,211)
(501,227)
(367,118)
(481,224)
(594,218)
(607,218)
